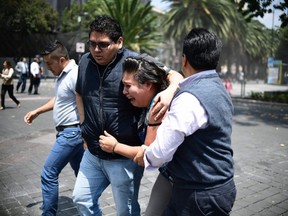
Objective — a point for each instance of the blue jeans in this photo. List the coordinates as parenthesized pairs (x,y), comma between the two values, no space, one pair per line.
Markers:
(22,80)
(213,202)
(68,147)
(96,174)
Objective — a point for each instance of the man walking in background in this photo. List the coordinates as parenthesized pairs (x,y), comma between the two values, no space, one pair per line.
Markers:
(34,76)
(22,67)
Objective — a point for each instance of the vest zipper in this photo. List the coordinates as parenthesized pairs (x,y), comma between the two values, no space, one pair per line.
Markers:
(101,95)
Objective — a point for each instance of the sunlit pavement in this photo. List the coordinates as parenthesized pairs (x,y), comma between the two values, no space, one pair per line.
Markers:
(260,142)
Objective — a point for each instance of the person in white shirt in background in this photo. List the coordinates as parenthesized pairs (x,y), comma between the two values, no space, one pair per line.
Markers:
(22,67)
(34,76)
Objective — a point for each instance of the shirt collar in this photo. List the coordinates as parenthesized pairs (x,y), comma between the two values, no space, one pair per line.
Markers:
(196,76)
(68,67)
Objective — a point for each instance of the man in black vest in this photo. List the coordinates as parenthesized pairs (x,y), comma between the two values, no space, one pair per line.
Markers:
(102,103)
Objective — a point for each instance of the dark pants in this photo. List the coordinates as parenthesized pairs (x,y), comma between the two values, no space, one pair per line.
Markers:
(212,202)
(21,81)
(34,82)
(4,89)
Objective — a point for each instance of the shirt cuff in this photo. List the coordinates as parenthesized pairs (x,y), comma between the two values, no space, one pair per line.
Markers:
(147,164)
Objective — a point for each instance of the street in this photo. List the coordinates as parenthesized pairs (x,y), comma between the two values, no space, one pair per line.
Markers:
(259,138)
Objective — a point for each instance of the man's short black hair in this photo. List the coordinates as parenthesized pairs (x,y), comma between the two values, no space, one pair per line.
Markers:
(108,25)
(202,49)
(56,49)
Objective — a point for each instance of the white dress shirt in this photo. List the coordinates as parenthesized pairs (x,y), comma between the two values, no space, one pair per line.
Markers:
(34,68)
(186,115)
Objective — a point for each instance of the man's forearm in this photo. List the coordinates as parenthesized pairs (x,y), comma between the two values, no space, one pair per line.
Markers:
(174,79)
(80,107)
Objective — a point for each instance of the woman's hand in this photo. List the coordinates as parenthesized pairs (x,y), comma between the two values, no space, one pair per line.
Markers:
(107,142)
(139,158)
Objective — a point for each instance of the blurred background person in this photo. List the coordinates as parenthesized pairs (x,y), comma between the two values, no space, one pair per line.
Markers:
(22,67)
(34,76)
(228,86)
(7,84)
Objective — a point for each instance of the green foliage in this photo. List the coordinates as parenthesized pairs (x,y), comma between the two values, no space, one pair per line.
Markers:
(255,8)
(138,22)
(220,16)
(256,95)
(257,41)
(280,97)
(281,52)
(70,17)
(27,16)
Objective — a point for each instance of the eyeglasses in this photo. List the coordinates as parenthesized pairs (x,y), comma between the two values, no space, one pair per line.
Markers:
(101,45)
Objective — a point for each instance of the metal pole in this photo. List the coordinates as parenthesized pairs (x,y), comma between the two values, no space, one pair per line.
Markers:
(272,36)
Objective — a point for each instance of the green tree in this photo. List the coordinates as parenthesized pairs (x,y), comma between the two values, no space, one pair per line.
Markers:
(78,18)
(216,15)
(27,16)
(219,16)
(257,48)
(281,52)
(254,8)
(246,45)
(138,22)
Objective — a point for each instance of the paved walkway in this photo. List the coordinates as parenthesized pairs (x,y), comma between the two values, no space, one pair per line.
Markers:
(260,142)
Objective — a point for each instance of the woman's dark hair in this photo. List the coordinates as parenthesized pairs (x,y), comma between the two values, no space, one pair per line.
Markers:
(8,63)
(145,70)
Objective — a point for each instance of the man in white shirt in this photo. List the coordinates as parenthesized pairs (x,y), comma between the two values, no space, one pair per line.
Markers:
(34,76)
(195,136)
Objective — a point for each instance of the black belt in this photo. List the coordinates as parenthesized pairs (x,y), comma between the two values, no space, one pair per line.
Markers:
(61,128)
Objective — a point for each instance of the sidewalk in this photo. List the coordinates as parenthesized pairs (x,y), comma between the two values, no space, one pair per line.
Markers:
(260,142)
(253,86)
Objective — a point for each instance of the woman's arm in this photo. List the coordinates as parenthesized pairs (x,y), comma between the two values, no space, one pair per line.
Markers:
(9,75)
(110,144)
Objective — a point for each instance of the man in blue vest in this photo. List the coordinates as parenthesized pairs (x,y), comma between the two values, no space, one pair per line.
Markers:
(195,136)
